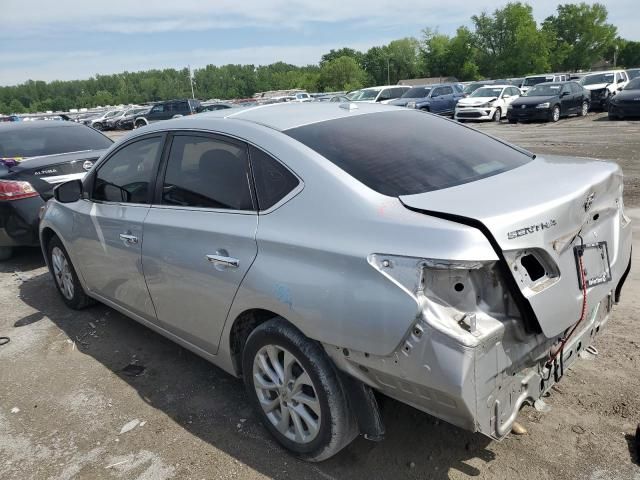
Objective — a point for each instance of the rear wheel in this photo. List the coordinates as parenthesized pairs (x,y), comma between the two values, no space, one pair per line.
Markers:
(295,389)
(555,114)
(5,253)
(497,115)
(139,124)
(65,276)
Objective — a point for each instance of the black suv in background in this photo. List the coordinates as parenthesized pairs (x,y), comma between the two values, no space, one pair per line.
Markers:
(550,102)
(167,110)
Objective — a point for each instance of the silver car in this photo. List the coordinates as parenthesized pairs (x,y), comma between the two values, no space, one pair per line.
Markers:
(324,252)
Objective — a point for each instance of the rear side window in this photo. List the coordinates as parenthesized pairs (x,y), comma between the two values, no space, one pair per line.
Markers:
(126,175)
(205,172)
(273,180)
(404,153)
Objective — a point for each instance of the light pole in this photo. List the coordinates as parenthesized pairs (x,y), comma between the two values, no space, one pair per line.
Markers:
(615,56)
(191,82)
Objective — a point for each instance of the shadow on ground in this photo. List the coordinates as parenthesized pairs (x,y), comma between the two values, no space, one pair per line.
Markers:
(208,403)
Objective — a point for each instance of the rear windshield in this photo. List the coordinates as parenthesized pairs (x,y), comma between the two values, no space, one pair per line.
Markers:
(531,81)
(404,153)
(49,140)
(416,92)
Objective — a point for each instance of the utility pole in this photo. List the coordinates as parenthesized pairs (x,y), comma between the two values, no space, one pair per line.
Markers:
(388,72)
(615,56)
(191,82)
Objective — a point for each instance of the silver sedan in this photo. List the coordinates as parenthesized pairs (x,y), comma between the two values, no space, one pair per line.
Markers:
(324,252)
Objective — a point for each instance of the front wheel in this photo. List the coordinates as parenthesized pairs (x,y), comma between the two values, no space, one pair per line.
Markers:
(555,114)
(584,110)
(65,276)
(139,124)
(98,126)
(497,115)
(5,253)
(296,391)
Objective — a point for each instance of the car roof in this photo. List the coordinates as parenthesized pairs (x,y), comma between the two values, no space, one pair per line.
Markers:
(38,124)
(278,116)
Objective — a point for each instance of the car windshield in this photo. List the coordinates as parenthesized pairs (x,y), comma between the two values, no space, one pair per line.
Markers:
(531,81)
(113,113)
(633,84)
(49,140)
(390,153)
(417,92)
(544,90)
(598,78)
(469,89)
(487,92)
(366,94)
(635,73)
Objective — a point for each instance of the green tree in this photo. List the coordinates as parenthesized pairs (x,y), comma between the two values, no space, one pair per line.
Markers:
(463,54)
(16,106)
(343,52)
(509,42)
(435,52)
(629,54)
(342,73)
(579,35)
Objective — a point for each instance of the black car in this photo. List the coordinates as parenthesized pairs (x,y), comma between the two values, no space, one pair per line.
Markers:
(627,102)
(550,102)
(125,122)
(62,151)
(167,110)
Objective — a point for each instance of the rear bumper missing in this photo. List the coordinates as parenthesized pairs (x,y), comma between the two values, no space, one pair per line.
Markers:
(479,388)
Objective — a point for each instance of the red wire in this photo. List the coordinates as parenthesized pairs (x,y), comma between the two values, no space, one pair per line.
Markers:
(582,314)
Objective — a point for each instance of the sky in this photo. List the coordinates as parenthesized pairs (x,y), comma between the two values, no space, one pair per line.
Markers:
(76,39)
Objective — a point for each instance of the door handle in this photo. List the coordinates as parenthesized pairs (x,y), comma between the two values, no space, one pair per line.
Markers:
(129,239)
(223,261)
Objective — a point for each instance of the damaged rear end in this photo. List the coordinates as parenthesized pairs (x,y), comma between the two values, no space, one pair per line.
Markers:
(513,326)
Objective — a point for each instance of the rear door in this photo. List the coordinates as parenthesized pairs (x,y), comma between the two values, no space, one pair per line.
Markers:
(109,223)
(199,236)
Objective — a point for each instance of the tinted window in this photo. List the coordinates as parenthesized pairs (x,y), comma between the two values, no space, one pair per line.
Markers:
(206,173)
(273,180)
(447,90)
(417,92)
(126,175)
(157,109)
(385,95)
(389,152)
(436,92)
(27,141)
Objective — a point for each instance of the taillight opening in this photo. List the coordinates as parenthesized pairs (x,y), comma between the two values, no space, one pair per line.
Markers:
(16,190)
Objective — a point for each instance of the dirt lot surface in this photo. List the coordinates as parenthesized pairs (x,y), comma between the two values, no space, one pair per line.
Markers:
(70,407)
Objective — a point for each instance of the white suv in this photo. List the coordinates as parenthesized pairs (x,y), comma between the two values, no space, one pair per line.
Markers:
(604,85)
(486,103)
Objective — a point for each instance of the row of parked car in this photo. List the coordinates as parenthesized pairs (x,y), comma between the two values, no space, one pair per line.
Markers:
(538,97)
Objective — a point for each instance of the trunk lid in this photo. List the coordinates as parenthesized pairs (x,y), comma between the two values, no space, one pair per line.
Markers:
(542,206)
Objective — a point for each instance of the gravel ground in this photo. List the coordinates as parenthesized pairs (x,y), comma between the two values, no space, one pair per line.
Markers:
(72,406)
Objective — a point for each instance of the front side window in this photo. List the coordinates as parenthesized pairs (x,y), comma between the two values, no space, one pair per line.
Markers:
(204,172)
(447,91)
(157,109)
(126,176)
(436,92)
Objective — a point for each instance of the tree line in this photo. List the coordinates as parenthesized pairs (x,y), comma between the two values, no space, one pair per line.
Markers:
(505,43)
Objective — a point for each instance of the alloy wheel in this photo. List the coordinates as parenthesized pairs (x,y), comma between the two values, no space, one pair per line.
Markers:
(286,394)
(556,114)
(62,272)
(585,109)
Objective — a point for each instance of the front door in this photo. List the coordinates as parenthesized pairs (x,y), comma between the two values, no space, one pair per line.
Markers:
(199,237)
(109,225)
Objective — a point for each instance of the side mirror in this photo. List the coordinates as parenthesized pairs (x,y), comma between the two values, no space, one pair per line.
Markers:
(564,94)
(68,192)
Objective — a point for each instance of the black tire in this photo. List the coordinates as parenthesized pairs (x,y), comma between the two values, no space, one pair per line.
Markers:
(337,425)
(78,299)
(140,124)
(5,253)
(497,115)
(553,117)
(98,126)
